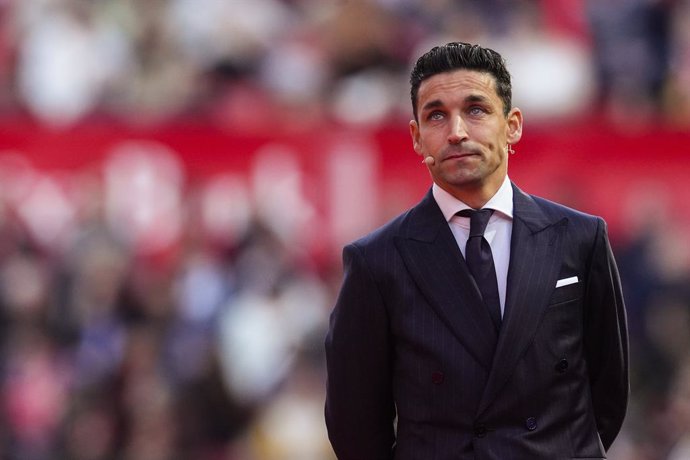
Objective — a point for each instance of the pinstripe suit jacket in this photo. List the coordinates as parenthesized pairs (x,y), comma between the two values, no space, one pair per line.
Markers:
(417,371)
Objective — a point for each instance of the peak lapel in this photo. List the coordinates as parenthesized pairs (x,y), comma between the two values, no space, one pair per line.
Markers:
(435,262)
(535,261)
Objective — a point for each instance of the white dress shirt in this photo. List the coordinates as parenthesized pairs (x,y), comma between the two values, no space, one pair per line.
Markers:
(498,230)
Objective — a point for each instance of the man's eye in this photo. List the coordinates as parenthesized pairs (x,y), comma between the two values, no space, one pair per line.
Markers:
(476,110)
(435,116)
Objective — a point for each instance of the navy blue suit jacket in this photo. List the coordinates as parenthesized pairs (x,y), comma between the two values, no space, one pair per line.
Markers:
(416,369)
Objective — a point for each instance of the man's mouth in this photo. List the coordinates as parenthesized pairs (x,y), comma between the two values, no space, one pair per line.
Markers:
(459,155)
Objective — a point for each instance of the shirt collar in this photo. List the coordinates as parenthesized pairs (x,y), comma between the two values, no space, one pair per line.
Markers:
(502,201)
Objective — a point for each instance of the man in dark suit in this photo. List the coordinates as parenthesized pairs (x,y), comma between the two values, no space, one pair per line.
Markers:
(458,338)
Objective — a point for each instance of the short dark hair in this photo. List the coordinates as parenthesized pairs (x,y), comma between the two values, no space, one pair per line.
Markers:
(459,55)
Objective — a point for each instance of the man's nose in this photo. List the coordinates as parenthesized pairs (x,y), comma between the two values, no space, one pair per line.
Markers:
(458,130)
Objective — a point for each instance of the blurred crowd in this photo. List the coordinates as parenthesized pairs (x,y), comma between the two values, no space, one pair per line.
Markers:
(134,325)
(244,64)
(143,318)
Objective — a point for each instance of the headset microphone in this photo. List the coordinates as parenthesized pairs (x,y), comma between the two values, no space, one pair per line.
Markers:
(429,160)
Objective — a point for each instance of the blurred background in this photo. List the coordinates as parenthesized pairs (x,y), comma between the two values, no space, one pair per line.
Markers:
(178,177)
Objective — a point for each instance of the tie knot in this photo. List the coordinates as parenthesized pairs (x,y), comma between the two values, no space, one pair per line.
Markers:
(478,220)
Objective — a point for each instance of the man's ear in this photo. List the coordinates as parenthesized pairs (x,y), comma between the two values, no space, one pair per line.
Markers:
(514,125)
(414,133)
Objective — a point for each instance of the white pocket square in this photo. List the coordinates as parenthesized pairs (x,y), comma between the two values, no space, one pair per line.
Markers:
(566,281)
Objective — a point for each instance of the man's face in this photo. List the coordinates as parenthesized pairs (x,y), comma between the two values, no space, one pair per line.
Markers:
(463,127)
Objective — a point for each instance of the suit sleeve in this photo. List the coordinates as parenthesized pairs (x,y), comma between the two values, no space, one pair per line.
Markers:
(606,339)
(359,403)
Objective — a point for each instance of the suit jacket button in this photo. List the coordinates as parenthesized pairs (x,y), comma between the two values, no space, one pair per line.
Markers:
(480,431)
(562,365)
(531,423)
(437,377)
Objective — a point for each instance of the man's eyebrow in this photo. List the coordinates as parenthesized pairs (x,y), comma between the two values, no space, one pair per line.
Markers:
(432,104)
(476,98)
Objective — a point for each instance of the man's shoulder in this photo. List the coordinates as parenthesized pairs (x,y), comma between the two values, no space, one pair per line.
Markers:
(558,211)
(385,234)
(421,217)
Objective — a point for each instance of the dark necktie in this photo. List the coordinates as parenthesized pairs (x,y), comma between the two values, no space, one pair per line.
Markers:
(481,262)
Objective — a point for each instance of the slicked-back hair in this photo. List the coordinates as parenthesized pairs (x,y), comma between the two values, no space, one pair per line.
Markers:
(458,55)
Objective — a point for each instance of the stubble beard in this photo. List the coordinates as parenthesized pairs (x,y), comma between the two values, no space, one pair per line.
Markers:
(469,178)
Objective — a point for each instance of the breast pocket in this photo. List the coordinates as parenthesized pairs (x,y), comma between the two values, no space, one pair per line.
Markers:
(566,293)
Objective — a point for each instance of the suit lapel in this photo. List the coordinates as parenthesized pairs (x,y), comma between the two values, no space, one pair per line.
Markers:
(535,261)
(435,262)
